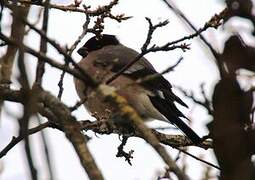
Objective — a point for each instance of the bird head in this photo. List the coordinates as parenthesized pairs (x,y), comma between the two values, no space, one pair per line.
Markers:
(96,43)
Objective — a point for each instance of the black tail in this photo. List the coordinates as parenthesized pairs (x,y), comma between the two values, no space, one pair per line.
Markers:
(170,111)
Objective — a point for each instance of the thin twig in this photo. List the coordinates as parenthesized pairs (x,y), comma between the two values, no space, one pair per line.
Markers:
(81,36)
(30,159)
(206,103)
(154,76)
(201,160)
(213,22)
(46,149)
(71,7)
(145,50)
(70,51)
(37,21)
(84,76)
(16,140)
(43,46)
(151,30)
(178,12)
(27,112)
(78,104)
(121,153)
(67,57)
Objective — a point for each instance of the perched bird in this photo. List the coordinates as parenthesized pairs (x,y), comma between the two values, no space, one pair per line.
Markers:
(103,57)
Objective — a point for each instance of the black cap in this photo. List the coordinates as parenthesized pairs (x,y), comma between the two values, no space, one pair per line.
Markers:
(96,43)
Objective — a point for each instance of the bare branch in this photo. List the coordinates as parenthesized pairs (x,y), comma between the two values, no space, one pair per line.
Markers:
(199,159)
(84,76)
(130,114)
(45,148)
(154,76)
(103,127)
(43,46)
(78,104)
(17,33)
(28,110)
(221,15)
(145,50)
(205,103)
(70,51)
(16,140)
(121,153)
(67,57)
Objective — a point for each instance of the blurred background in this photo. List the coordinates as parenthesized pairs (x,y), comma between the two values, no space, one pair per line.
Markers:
(198,67)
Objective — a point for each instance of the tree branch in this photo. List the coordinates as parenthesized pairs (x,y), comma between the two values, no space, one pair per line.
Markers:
(16,140)
(178,12)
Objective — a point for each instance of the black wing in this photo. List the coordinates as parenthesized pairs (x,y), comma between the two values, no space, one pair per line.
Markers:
(165,104)
(157,85)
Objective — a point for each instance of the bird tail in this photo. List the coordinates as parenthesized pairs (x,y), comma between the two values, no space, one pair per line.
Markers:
(192,135)
(171,112)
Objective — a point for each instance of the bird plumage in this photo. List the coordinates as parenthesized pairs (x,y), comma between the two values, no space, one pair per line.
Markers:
(105,56)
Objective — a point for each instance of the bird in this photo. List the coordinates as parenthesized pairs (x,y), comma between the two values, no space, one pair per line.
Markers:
(104,56)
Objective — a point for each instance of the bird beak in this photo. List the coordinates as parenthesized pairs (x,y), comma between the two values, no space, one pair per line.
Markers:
(83,51)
